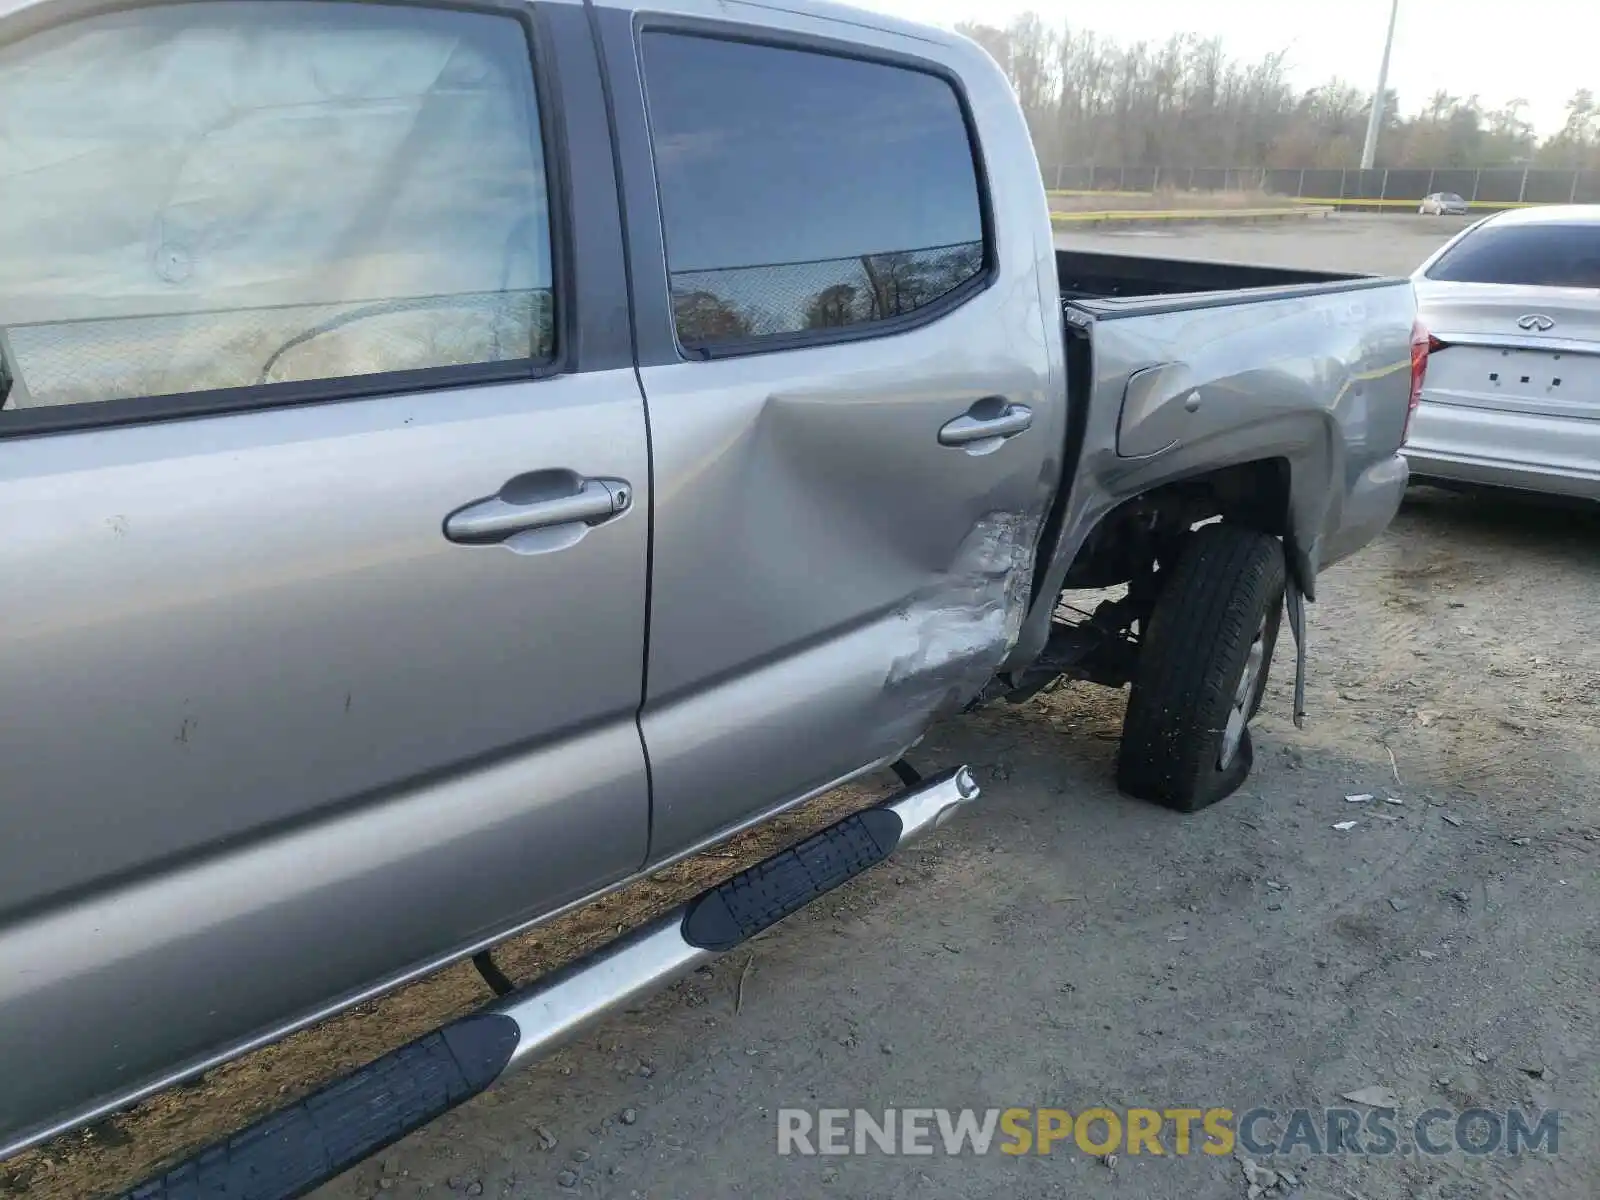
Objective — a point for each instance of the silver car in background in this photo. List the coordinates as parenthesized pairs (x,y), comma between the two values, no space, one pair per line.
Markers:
(1511,308)
(1442,204)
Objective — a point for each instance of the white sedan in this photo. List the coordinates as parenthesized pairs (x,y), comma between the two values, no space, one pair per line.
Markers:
(1509,315)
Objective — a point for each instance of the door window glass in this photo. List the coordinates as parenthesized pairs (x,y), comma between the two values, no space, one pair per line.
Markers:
(802,191)
(220,195)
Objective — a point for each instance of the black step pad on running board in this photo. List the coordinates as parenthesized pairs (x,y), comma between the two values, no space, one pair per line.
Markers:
(785,883)
(292,1151)
(297,1148)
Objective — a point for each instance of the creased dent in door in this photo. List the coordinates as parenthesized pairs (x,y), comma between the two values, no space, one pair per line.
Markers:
(959,630)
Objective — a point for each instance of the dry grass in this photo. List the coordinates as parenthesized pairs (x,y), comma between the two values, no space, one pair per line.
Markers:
(1166,200)
(122,1151)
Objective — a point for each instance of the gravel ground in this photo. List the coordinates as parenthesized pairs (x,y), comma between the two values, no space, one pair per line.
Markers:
(1065,945)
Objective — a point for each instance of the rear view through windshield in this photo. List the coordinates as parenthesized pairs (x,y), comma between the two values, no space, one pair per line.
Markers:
(1532,255)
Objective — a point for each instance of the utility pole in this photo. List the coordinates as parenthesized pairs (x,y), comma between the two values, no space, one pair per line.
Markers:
(1369,151)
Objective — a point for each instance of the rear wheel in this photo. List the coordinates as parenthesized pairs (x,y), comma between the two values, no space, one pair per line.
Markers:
(1202,672)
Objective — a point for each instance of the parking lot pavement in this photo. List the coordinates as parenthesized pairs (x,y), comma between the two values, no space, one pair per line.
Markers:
(1065,945)
(1379,244)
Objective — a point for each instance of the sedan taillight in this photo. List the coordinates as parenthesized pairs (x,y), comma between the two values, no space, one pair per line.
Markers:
(1423,343)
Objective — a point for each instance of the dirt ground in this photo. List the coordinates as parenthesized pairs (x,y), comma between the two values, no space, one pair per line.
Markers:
(1063,945)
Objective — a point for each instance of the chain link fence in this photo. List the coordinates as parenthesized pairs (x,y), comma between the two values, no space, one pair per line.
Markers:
(1487,188)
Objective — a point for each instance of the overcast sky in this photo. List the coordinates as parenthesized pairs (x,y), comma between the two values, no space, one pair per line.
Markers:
(1539,50)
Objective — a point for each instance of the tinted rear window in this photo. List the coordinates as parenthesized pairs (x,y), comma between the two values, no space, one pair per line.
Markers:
(1534,255)
(802,191)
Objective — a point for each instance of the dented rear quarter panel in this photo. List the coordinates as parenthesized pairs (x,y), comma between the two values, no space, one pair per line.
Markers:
(1315,375)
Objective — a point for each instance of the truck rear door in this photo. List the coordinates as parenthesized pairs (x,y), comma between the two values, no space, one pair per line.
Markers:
(854,391)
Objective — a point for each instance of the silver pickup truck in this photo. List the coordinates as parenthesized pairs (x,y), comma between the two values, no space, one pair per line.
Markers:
(458,457)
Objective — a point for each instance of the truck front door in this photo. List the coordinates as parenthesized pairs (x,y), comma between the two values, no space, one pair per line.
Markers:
(323,494)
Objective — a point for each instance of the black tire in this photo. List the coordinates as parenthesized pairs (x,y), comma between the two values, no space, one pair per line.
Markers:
(1226,587)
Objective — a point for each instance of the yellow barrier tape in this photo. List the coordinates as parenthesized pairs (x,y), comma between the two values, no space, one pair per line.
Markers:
(1186,214)
(1333,201)
(1353,200)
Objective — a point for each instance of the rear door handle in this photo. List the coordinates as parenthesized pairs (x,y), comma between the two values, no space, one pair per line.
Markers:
(985,425)
(526,503)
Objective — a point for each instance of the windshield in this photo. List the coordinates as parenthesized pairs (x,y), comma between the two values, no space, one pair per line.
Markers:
(1565,255)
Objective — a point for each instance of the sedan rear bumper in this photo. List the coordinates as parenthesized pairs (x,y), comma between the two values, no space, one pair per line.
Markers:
(1557,456)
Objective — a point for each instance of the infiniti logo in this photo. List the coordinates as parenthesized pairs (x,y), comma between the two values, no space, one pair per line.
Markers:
(1536,321)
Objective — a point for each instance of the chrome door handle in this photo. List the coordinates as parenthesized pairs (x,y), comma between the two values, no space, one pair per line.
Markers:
(499,517)
(976,425)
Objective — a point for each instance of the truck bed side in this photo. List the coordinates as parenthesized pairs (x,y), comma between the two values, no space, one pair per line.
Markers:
(1181,369)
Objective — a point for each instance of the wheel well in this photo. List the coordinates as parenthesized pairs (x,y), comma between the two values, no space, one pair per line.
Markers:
(1128,539)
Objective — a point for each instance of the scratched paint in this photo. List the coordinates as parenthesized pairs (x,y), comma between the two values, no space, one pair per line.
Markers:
(958,631)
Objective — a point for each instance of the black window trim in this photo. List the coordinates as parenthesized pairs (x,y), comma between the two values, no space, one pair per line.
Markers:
(142,410)
(783,39)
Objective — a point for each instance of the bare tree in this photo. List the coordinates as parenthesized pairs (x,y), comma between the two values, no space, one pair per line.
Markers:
(1578,142)
(832,306)
(1185,103)
(703,315)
